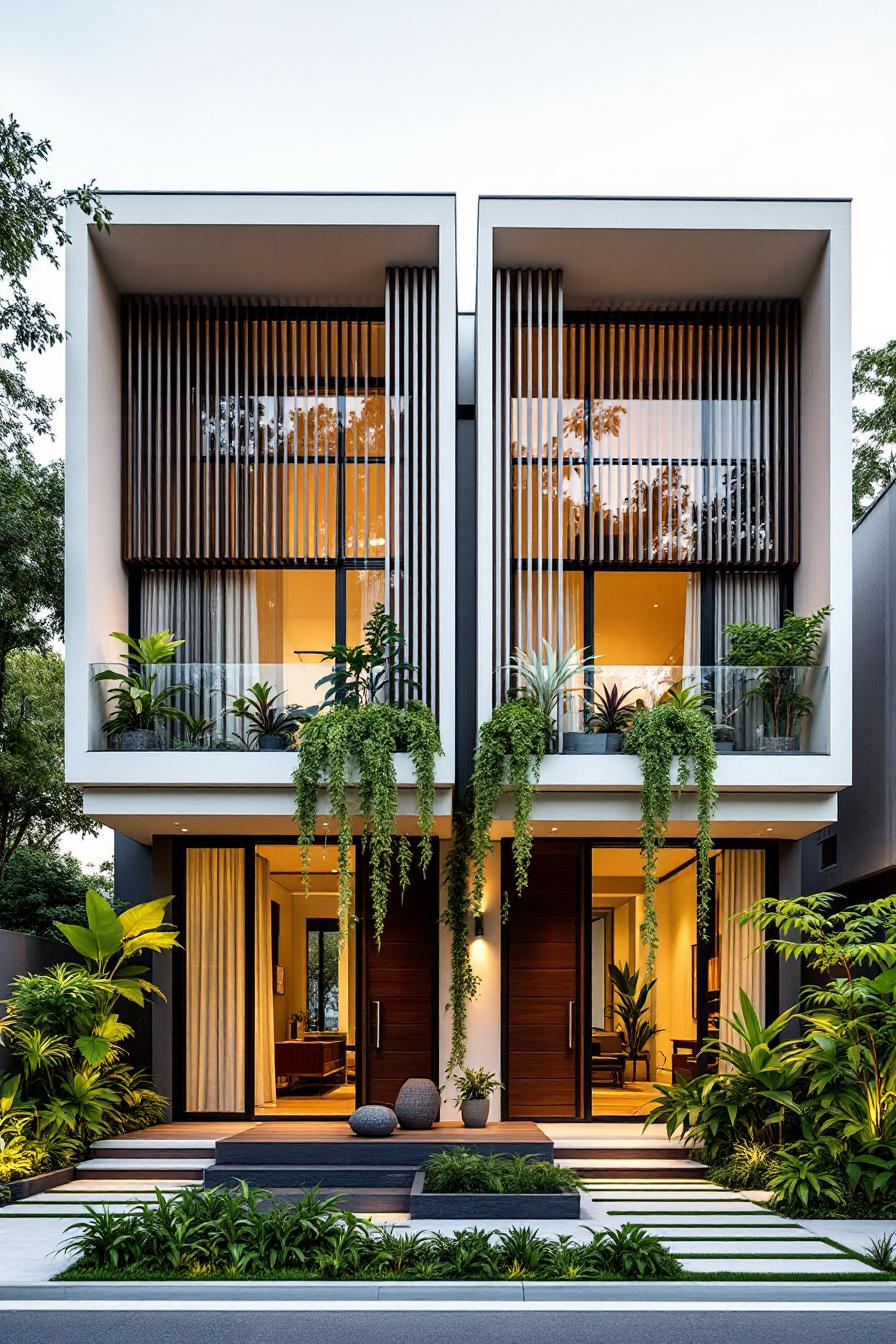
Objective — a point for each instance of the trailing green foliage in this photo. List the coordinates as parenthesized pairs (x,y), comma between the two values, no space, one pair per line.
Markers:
(240,1234)
(512,745)
(455,1171)
(633,1008)
(365,737)
(72,1082)
(676,726)
(456,918)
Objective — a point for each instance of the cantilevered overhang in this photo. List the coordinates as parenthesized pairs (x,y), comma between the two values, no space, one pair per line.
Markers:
(626,252)
(305,249)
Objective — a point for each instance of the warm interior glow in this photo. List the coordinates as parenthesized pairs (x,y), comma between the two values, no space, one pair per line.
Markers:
(639,617)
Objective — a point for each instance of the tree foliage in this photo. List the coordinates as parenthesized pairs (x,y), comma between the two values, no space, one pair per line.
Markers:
(37,807)
(40,887)
(32,229)
(874,424)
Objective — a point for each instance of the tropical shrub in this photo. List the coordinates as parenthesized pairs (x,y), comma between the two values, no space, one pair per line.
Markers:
(241,1233)
(753,1101)
(455,1171)
(782,653)
(136,700)
(72,1082)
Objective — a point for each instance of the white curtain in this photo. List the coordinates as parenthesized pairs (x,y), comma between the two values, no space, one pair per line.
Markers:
(215,613)
(743,597)
(741,965)
(216,980)
(265,1081)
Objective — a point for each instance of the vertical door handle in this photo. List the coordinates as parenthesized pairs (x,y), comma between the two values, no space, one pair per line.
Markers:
(572,1005)
(379,1017)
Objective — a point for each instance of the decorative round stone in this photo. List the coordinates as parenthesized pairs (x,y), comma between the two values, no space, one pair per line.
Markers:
(418,1103)
(373,1122)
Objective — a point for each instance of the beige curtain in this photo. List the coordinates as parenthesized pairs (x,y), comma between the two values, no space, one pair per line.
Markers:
(691,643)
(265,1081)
(216,980)
(742,967)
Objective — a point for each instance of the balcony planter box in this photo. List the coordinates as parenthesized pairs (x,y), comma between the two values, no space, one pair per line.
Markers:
(36,1185)
(564,1204)
(591,744)
(139,739)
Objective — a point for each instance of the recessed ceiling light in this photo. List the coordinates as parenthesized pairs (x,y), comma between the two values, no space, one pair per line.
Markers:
(769,828)
(553,828)
(184,829)
(655,605)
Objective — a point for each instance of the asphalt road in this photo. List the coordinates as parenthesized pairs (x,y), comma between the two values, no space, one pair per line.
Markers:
(412,1326)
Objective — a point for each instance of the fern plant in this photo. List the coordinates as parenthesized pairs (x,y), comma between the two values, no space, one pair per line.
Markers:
(676,726)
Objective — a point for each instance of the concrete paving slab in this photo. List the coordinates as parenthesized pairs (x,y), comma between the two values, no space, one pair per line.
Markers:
(834,1265)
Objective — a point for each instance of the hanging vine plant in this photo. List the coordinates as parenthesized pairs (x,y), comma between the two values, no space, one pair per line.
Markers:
(512,745)
(677,726)
(456,918)
(363,723)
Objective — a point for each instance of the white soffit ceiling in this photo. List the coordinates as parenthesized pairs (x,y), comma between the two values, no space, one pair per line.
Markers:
(643,266)
(305,263)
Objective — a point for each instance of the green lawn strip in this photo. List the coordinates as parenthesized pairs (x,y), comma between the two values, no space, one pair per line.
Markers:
(72,1275)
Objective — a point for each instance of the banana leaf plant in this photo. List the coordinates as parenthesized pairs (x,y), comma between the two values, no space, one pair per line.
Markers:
(111,944)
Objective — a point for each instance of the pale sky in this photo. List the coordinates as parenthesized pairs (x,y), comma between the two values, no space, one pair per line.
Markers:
(577,97)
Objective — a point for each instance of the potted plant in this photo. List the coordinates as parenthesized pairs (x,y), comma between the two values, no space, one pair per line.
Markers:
(474,1090)
(139,704)
(782,655)
(195,732)
(546,679)
(723,736)
(632,1009)
(608,715)
(269,726)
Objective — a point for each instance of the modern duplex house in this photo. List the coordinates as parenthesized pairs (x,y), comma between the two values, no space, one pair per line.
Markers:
(641,437)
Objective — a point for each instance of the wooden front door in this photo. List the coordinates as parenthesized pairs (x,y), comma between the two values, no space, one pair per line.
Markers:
(543,987)
(399,987)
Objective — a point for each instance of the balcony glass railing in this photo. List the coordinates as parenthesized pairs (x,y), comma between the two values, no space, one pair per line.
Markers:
(195,706)
(753,709)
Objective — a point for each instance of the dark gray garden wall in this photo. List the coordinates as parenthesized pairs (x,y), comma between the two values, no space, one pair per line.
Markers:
(23,954)
(134,883)
(866,828)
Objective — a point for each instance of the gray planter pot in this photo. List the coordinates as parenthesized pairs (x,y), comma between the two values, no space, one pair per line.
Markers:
(474,1112)
(417,1104)
(591,744)
(138,739)
(272,742)
(789,744)
(722,747)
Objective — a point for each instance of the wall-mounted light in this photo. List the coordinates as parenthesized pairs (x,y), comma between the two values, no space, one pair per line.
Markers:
(478,926)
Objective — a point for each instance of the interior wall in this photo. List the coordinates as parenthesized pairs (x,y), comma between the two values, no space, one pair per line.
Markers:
(484,1012)
(677,929)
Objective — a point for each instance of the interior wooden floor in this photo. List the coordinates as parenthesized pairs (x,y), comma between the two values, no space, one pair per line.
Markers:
(634,1099)
(339,1101)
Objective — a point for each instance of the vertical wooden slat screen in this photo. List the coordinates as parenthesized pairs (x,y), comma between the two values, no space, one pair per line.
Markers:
(528,420)
(233,415)
(411,438)
(628,439)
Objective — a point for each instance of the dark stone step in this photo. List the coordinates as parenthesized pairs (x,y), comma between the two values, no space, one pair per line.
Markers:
(356,1152)
(305,1176)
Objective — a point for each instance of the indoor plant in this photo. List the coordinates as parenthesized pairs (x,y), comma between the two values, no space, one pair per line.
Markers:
(608,715)
(139,705)
(269,726)
(632,1009)
(782,654)
(474,1090)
